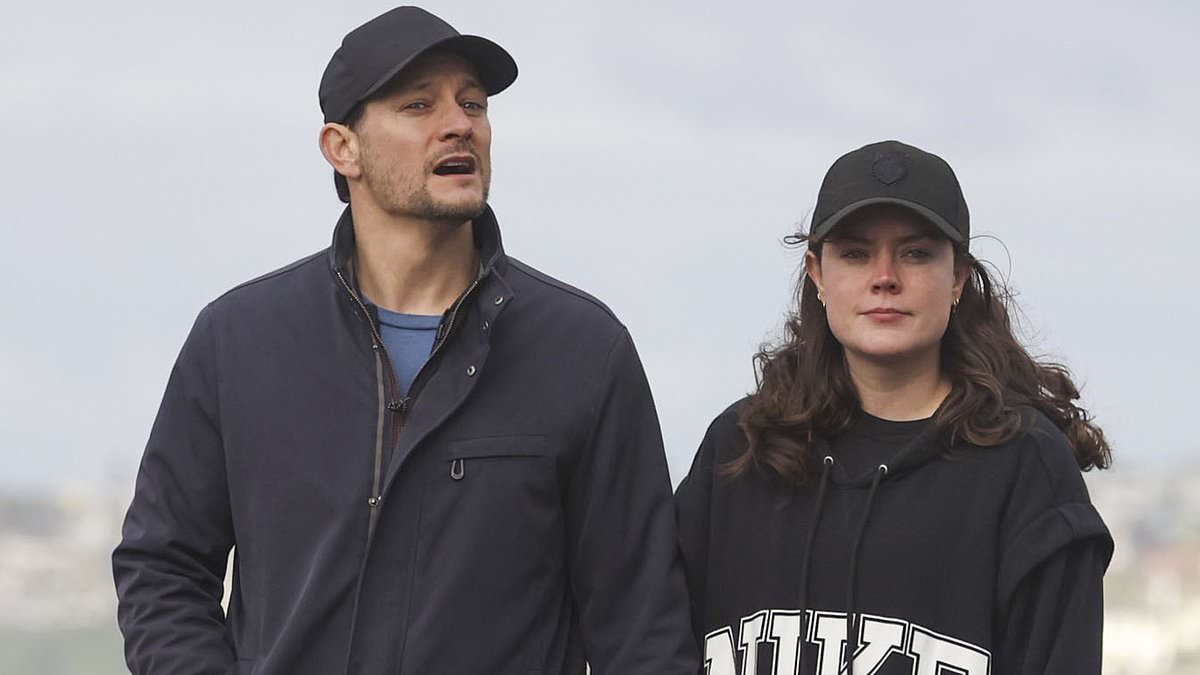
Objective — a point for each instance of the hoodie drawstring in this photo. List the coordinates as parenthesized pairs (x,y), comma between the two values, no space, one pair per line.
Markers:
(826,465)
(850,599)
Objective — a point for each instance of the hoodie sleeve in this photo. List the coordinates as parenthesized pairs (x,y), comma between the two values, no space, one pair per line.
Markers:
(1050,583)
(175,542)
(625,571)
(693,501)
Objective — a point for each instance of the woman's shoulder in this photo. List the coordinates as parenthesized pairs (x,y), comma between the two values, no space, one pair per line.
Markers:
(724,437)
(729,416)
(1045,461)
(1042,438)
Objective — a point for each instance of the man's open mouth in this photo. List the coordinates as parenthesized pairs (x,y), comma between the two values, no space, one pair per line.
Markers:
(455,166)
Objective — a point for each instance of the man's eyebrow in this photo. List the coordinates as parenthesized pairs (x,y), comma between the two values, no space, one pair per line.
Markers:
(428,83)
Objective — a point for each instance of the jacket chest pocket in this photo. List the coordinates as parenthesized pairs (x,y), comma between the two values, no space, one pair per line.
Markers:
(512,473)
(478,458)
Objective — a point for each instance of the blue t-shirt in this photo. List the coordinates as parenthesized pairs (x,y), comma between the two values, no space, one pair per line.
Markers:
(408,339)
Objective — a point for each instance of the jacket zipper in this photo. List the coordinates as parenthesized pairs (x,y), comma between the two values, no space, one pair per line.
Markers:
(402,404)
(381,358)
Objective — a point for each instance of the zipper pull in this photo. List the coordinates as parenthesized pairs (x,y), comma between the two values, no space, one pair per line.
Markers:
(457,469)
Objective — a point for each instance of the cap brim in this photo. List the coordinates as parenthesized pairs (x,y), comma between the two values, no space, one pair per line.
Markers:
(495,66)
(823,229)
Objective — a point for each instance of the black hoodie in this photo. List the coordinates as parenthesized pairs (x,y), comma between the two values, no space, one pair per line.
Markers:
(972,561)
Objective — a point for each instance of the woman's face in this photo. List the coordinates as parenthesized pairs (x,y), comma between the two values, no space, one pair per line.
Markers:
(888,281)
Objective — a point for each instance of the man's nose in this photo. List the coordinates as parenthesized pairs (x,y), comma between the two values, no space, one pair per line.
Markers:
(456,123)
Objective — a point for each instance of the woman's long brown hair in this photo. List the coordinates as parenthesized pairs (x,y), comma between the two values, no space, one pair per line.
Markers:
(804,387)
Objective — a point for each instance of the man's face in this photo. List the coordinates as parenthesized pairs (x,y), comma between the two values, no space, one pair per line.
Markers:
(425,143)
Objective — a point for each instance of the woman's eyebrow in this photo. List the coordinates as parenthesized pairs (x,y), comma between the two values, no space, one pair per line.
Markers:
(855,238)
(908,239)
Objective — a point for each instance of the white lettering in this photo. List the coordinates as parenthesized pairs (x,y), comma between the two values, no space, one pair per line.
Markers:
(879,637)
(880,640)
(785,633)
(754,629)
(718,653)
(941,655)
(829,636)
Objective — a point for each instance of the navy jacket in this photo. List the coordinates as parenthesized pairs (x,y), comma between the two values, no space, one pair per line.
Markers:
(513,514)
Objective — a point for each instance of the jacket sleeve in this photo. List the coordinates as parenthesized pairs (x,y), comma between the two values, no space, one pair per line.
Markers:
(175,542)
(1050,594)
(621,541)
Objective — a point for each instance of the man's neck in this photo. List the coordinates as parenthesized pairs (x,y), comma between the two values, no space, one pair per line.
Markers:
(900,390)
(413,266)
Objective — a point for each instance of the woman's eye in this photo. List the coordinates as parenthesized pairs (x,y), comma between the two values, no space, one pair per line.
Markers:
(918,254)
(854,254)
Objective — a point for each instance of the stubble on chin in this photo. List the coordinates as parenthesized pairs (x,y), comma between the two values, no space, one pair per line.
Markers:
(424,206)
(410,198)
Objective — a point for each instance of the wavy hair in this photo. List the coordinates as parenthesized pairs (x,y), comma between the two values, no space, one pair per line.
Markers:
(804,386)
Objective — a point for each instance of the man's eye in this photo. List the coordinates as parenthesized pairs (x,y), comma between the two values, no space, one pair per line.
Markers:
(416,105)
(474,105)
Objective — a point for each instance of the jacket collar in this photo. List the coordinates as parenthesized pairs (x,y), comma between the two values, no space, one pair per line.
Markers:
(487,242)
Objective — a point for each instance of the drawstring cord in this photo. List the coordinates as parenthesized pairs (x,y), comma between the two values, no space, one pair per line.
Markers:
(827,464)
(862,528)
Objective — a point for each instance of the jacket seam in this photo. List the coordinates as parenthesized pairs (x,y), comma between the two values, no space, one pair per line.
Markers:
(1039,451)
(567,288)
(598,397)
(286,269)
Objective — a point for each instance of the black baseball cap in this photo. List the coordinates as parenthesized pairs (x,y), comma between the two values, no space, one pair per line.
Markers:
(891,172)
(375,52)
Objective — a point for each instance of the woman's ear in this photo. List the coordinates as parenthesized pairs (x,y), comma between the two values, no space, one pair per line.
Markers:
(962,272)
(812,267)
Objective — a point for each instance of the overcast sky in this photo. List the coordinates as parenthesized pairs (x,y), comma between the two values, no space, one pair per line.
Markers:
(654,154)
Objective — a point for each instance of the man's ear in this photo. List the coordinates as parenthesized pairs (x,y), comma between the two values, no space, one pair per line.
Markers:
(340,146)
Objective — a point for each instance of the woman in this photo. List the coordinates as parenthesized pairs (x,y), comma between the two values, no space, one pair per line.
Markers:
(903,462)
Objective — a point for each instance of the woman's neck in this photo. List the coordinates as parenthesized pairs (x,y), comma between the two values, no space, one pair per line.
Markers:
(899,390)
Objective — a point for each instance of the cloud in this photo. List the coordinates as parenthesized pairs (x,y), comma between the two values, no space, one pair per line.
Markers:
(652,154)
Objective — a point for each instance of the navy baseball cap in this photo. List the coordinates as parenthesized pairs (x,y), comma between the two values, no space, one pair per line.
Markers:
(891,172)
(375,53)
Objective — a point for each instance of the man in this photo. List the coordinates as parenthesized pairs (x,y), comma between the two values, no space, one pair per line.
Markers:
(430,457)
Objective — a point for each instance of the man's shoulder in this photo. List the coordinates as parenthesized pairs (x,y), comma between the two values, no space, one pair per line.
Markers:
(558,295)
(277,284)
(269,297)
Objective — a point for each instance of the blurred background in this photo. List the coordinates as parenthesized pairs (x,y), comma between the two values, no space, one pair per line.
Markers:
(654,154)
